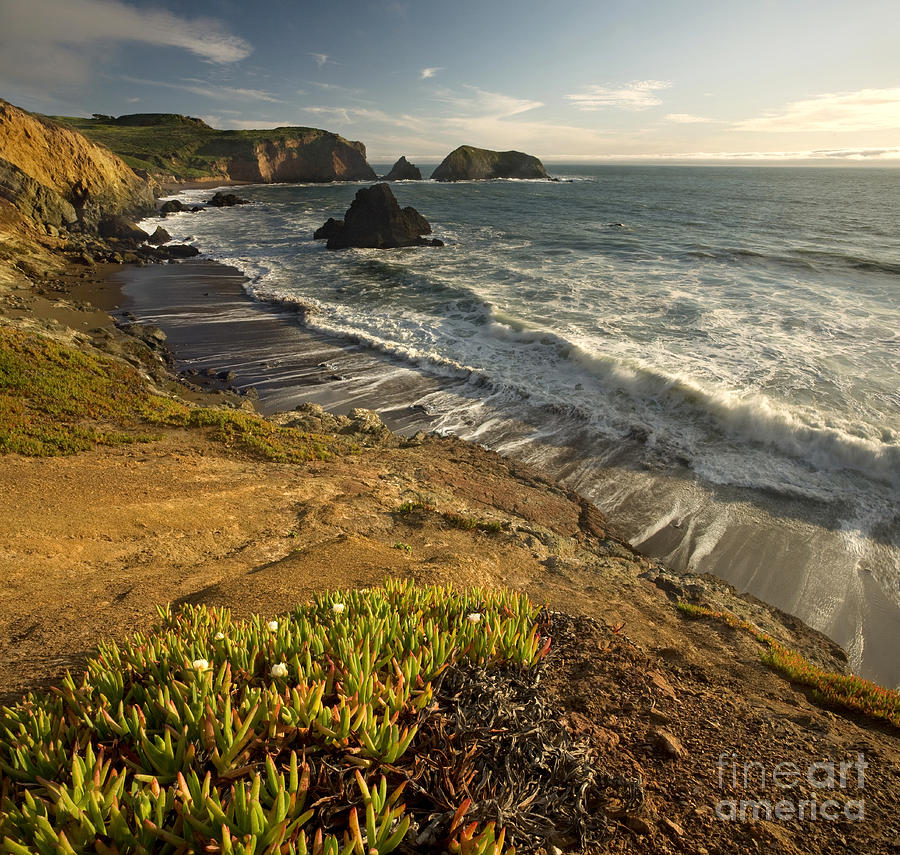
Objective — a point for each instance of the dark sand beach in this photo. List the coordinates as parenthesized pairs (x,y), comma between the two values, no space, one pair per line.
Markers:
(214,328)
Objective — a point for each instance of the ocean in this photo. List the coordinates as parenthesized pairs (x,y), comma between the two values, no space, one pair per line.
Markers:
(710,354)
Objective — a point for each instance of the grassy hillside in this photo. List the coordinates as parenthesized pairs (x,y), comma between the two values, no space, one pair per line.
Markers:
(182,146)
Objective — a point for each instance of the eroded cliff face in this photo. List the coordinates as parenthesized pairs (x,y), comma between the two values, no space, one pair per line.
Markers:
(54,176)
(311,155)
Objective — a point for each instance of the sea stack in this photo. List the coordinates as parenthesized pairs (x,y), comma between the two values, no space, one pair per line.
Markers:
(403,170)
(468,163)
(375,220)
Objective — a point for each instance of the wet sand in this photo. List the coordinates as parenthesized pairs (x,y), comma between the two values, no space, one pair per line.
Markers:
(791,554)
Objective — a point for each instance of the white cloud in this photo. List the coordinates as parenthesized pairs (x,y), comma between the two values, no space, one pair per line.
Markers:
(687,119)
(39,26)
(319,58)
(860,110)
(636,95)
(429,72)
(207,90)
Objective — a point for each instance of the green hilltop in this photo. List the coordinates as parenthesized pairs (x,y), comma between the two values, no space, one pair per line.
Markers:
(181,146)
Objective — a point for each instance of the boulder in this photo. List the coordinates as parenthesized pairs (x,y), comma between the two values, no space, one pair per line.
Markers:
(159,237)
(331,227)
(121,228)
(468,163)
(181,250)
(226,200)
(173,206)
(403,170)
(375,220)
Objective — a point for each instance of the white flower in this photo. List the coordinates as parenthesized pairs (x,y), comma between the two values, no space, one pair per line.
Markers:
(474,617)
(200,665)
(219,636)
(337,608)
(279,669)
(273,625)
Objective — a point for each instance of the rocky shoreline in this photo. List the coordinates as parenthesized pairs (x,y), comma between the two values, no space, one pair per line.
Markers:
(93,542)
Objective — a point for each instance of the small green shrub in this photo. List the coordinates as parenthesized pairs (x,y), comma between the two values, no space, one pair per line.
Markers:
(55,399)
(846,691)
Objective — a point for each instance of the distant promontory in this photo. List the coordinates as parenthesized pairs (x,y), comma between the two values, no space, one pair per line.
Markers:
(468,163)
(168,145)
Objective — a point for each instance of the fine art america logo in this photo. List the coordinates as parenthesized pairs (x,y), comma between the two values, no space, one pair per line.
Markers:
(824,790)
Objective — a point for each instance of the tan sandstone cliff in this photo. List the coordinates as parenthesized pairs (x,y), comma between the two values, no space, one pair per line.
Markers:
(54,176)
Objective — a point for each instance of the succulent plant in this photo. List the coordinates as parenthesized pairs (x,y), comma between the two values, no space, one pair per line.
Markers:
(226,735)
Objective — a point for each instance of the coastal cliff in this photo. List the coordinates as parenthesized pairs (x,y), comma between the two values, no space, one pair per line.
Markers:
(169,146)
(468,163)
(55,177)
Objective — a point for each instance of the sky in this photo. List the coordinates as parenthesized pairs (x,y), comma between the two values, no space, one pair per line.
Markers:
(773,81)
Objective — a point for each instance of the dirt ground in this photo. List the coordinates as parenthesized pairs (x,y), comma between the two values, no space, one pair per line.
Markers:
(90,544)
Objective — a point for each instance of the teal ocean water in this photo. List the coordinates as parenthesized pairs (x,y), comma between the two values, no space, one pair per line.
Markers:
(710,354)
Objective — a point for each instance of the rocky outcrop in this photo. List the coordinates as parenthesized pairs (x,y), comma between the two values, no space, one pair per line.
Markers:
(287,154)
(54,176)
(159,237)
(121,229)
(329,229)
(468,163)
(375,220)
(226,200)
(173,206)
(403,170)
(34,201)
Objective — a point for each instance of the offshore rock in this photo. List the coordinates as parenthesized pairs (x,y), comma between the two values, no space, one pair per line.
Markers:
(173,206)
(330,228)
(159,237)
(468,163)
(403,170)
(375,220)
(226,200)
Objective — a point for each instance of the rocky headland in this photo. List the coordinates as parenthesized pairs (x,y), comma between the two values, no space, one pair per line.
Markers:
(175,148)
(123,488)
(468,163)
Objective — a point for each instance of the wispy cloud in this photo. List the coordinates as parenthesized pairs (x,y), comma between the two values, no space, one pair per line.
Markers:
(687,119)
(426,73)
(884,153)
(475,101)
(636,95)
(334,87)
(859,110)
(319,58)
(206,90)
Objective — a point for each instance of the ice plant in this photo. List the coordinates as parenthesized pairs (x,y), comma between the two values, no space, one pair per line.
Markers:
(134,758)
